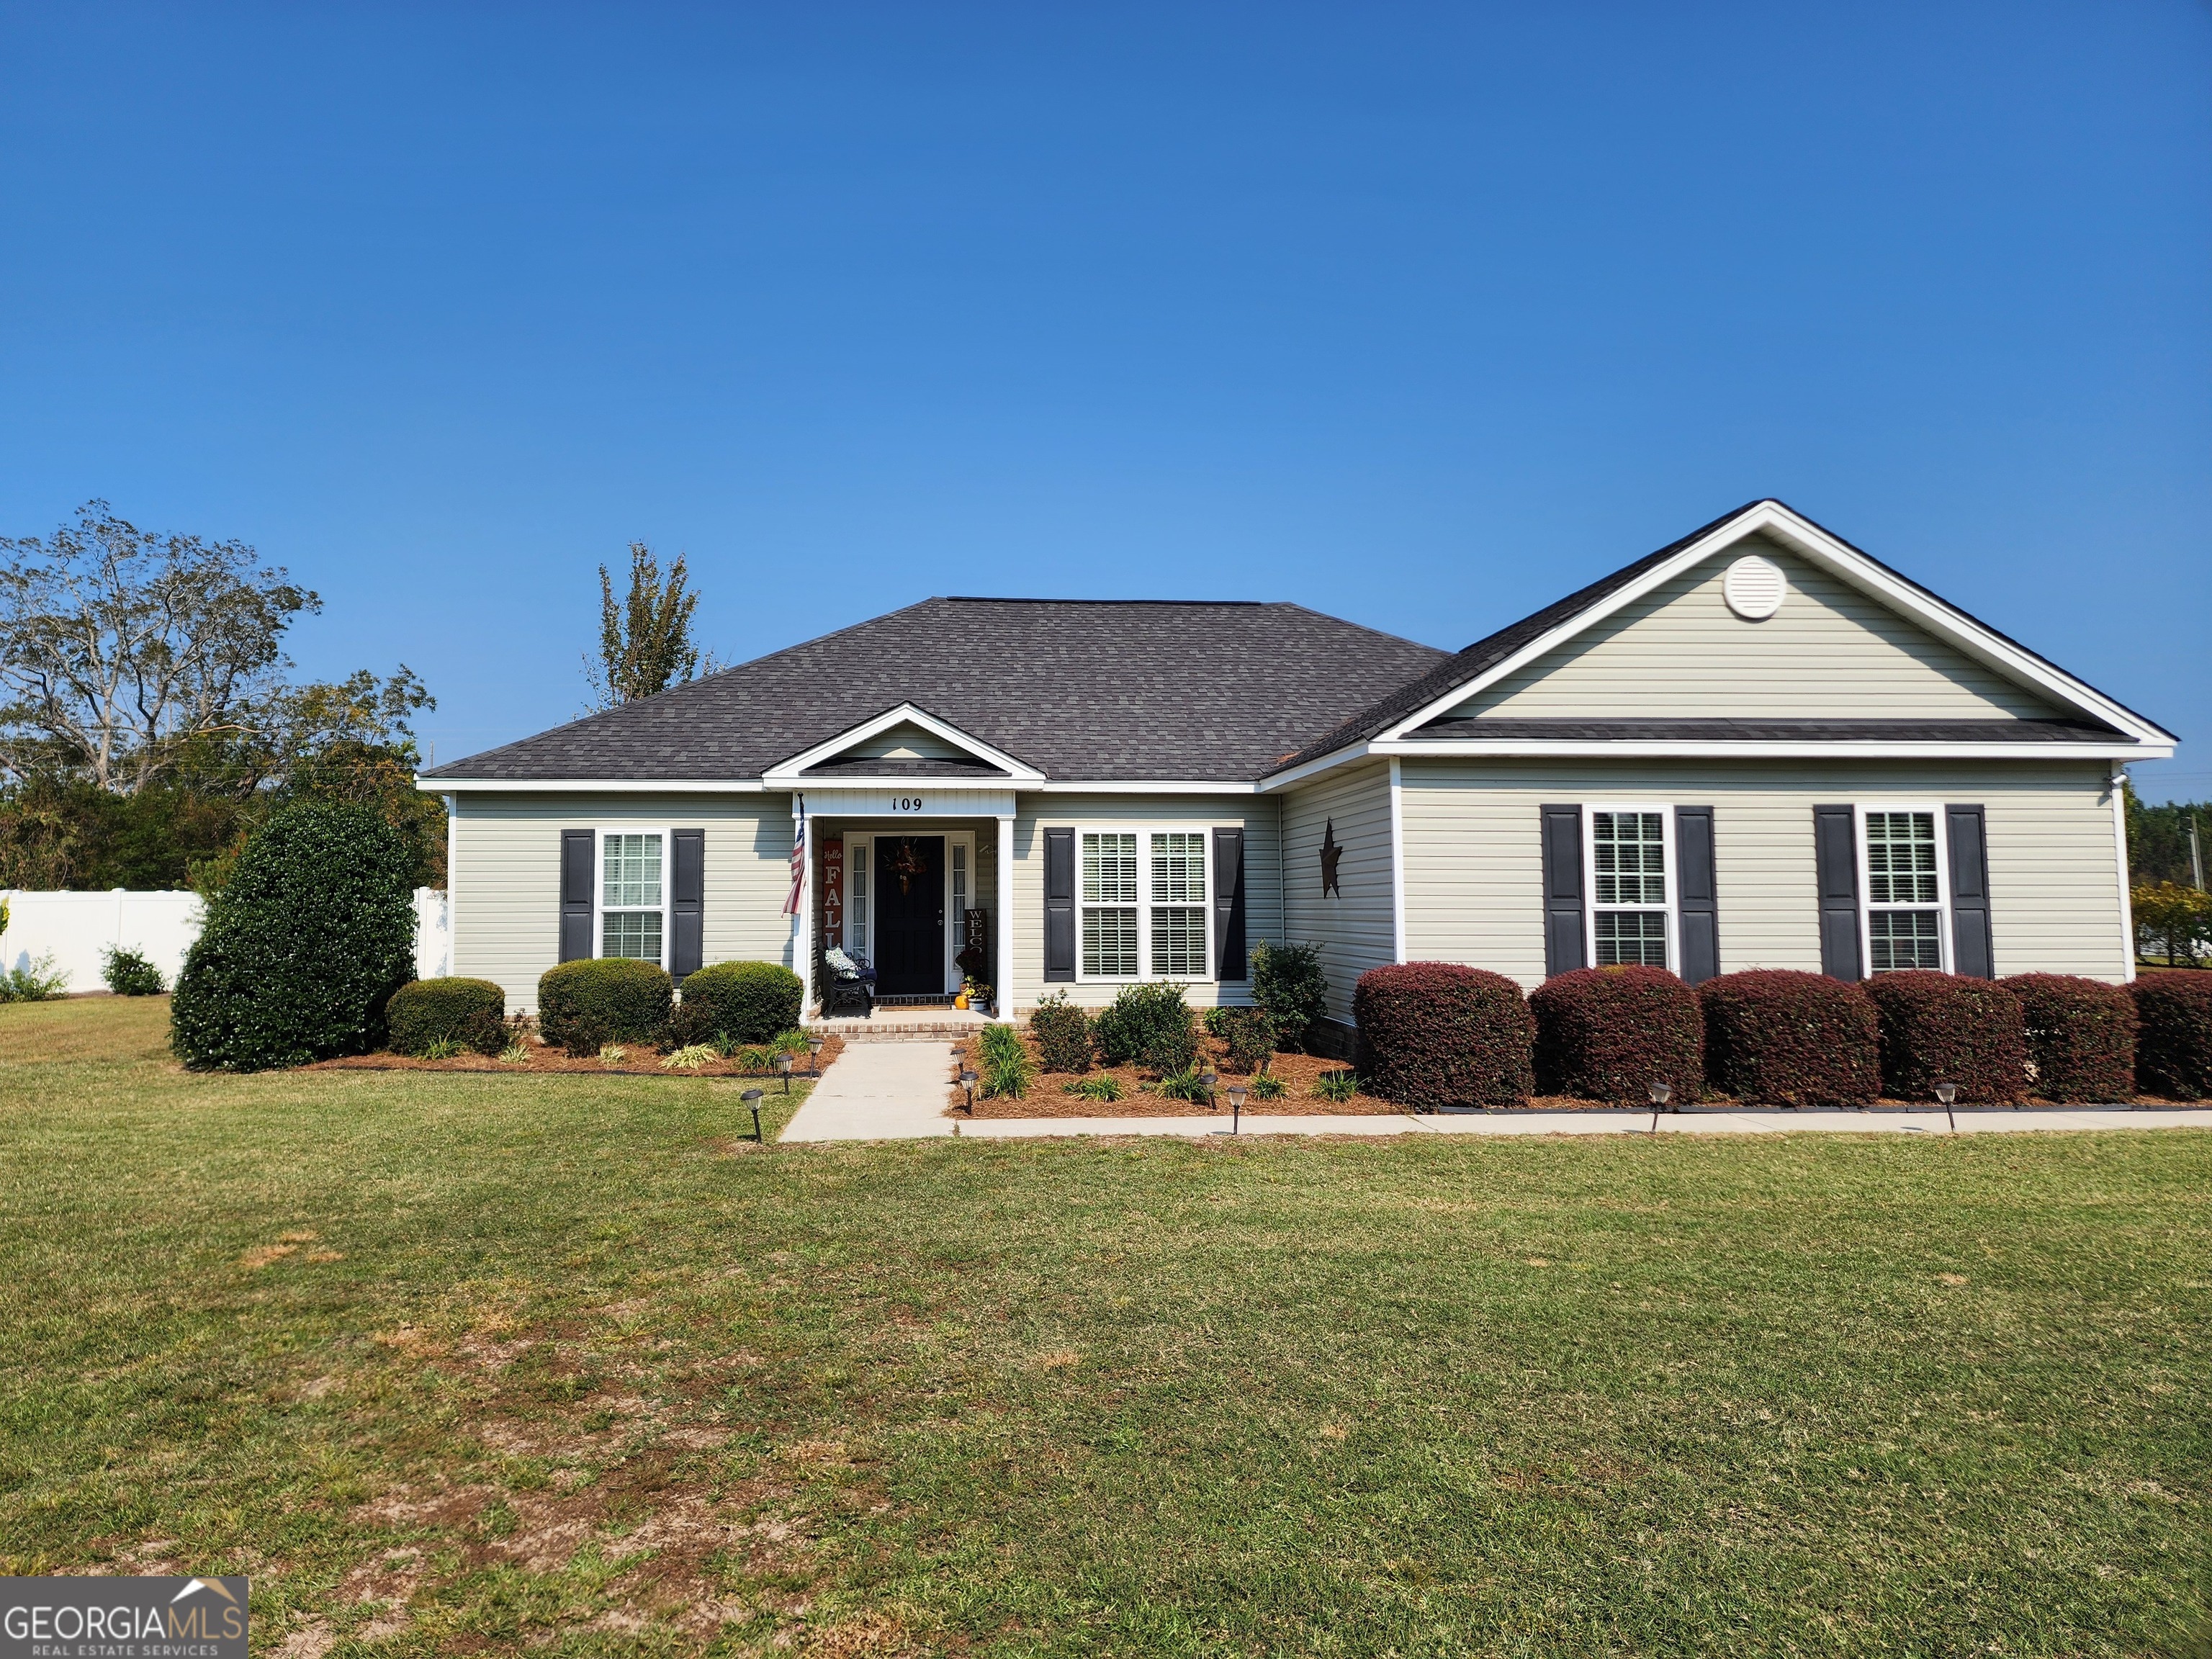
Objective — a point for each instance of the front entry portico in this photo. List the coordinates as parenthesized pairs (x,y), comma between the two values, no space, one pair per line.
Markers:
(904,879)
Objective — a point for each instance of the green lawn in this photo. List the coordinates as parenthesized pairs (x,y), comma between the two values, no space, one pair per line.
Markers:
(560,1365)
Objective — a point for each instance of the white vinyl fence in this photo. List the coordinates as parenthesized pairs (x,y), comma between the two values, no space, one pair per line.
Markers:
(76,929)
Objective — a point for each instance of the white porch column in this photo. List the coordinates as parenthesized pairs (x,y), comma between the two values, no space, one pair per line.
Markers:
(1006,973)
(803,930)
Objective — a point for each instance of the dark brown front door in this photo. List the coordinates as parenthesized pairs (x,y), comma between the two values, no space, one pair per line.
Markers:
(910,915)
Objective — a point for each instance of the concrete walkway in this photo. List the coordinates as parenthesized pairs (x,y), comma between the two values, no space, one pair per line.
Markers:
(896,1091)
(879,1091)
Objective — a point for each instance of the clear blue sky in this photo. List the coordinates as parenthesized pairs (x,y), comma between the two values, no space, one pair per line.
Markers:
(1420,316)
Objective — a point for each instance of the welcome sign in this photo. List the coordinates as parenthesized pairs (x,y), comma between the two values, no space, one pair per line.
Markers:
(122,1619)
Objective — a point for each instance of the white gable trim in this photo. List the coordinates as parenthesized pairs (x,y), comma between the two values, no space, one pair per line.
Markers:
(1802,537)
(788,774)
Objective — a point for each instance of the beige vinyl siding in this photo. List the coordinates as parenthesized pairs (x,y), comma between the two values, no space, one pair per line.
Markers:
(1474,862)
(1255,815)
(507,878)
(1830,654)
(1353,927)
(905,741)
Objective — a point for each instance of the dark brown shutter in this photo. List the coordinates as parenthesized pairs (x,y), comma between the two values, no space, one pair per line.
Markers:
(1059,906)
(1563,889)
(1971,950)
(1696,896)
(1836,870)
(1228,904)
(577,847)
(687,895)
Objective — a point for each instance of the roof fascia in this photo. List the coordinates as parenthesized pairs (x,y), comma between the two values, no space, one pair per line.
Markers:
(592,786)
(1328,763)
(786,774)
(1461,748)
(1847,563)
(1144,786)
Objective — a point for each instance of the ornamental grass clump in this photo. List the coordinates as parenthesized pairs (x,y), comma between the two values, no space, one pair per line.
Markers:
(1946,1028)
(2174,1047)
(470,1012)
(1610,1033)
(587,1005)
(1061,1032)
(745,1002)
(2080,1036)
(301,949)
(1003,1062)
(1775,1037)
(1437,1033)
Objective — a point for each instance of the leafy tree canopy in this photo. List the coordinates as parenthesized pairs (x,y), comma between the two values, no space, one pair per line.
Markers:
(645,642)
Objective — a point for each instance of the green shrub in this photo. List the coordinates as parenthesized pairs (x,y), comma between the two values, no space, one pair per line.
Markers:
(34,980)
(470,1012)
(1338,1086)
(1149,1024)
(585,1005)
(1004,1062)
(746,1002)
(1100,1085)
(314,930)
(1289,981)
(1216,1021)
(1250,1035)
(128,974)
(1063,1034)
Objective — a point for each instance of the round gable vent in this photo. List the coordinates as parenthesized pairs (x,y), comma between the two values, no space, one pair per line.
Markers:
(1753,587)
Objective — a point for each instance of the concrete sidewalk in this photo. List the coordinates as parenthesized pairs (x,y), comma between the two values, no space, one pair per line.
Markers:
(879,1091)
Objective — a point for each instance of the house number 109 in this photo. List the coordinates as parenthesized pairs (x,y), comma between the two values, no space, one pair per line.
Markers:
(906,803)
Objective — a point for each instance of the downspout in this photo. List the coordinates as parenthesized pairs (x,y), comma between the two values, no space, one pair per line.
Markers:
(2119,789)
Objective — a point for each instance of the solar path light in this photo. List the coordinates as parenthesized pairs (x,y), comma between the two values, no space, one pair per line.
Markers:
(1947,1093)
(1236,1109)
(1661,1093)
(752,1098)
(814,1055)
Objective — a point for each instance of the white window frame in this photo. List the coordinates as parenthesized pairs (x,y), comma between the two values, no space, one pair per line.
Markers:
(1672,907)
(955,924)
(1867,906)
(599,887)
(1144,832)
(861,905)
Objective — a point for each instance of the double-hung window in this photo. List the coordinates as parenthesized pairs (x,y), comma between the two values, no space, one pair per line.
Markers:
(633,894)
(1631,886)
(1109,904)
(1903,884)
(1143,897)
(1178,917)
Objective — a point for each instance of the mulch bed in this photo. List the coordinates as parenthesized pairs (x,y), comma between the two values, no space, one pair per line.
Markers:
(1045,1097)
(640,1061)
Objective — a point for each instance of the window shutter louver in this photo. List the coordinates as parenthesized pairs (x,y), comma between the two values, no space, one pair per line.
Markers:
(1697,898)
(1563,889)
(687,901)
(1228,904)
(1971,949)
(1836,869)
(1058,908)
(577,847)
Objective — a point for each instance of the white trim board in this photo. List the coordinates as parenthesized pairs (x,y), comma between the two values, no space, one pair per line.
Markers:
(1839,559)
(789,774)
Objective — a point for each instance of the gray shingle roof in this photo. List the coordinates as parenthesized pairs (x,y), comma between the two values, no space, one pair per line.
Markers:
(1743,731)
(1109,689)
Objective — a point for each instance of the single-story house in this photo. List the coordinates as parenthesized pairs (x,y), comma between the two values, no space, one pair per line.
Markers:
(1756,747)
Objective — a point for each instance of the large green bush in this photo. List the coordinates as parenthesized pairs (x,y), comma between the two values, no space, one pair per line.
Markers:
(1289,981)
(1150,1024)
(743,1001)
(470,1012)
(583,1006)
(314,930)
(1062,1033)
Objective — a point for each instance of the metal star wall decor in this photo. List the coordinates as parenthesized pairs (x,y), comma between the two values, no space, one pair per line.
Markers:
(1330,853)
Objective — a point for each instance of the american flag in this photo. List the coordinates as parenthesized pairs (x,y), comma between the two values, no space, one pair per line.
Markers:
(797,861)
